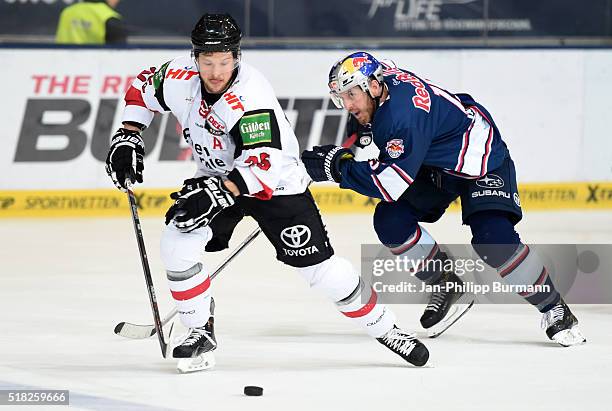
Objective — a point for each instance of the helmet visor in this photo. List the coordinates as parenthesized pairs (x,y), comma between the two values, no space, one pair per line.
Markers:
(334,94)
(345,98)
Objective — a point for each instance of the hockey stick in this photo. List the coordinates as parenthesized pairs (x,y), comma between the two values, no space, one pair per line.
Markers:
(138,331)
(145,266)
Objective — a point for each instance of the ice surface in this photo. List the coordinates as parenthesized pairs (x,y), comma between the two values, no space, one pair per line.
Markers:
(66,283)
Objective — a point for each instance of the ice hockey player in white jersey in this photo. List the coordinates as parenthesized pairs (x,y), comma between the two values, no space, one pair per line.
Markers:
(247,158)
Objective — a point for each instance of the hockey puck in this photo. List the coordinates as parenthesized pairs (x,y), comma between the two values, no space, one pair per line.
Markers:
(253,391)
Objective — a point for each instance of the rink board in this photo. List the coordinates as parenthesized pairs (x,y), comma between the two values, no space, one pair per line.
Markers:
(552,108)
(330,199)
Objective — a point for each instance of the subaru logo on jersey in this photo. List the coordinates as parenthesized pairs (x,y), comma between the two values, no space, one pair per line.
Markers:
(296,236)
(395,147)
(490,181)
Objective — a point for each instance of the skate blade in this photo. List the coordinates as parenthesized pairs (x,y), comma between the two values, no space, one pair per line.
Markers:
(462,306)
(202,362)
(569,338)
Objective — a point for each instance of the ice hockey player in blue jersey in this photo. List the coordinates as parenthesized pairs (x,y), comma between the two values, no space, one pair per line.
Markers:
(435,147)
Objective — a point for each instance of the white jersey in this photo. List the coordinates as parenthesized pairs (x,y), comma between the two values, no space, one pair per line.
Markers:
(244,136)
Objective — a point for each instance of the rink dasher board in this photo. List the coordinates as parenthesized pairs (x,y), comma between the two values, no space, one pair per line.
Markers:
(154,202)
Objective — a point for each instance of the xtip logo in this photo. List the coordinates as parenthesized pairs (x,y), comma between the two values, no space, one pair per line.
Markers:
(6,202)
(144,201)
(414,9)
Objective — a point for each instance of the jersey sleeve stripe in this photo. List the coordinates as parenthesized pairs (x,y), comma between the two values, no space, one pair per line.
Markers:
(393,182)
(133,97)
(485,157)
(402,174)
(475,153)
(464,146)
(380,187)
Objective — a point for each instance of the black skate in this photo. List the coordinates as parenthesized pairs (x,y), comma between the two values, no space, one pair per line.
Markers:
(562,326)
(446,305)
(406,346)
(195,352)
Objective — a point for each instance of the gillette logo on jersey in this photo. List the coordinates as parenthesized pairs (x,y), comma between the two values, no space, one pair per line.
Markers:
(395,147)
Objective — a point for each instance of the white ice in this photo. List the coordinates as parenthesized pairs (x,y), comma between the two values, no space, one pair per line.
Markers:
(66,283)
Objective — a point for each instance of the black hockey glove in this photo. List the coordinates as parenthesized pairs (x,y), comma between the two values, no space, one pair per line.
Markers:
(363,133)
(323,162)
(125,157)
(198,202)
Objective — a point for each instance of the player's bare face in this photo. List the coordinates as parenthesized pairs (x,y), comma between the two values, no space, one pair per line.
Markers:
(359,104)
(216,70)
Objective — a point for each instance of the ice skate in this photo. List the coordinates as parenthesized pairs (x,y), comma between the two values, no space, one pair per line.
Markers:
(446,305)
(405,345)
(195,352)
(562,326)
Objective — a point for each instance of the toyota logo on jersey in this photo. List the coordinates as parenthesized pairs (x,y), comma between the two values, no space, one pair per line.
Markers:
(296,236)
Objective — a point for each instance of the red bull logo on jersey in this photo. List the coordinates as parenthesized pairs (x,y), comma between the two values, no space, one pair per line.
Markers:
(395,147)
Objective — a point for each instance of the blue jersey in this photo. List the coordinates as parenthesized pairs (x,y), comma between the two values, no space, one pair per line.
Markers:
(420,124)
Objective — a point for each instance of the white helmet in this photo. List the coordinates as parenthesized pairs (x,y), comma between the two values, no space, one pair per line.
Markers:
(354,70)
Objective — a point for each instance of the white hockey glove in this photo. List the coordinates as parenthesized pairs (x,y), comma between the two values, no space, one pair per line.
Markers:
(125,157)
(198,202)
